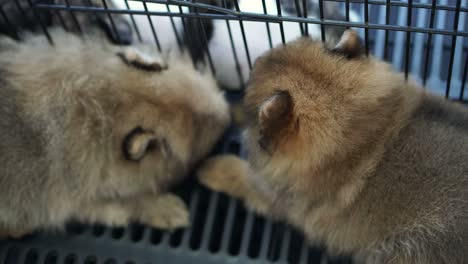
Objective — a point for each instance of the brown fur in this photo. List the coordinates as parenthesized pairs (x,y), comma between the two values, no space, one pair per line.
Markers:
(69,115)
(363,161)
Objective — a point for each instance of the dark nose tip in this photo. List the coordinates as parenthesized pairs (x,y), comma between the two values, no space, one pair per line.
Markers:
(119,32)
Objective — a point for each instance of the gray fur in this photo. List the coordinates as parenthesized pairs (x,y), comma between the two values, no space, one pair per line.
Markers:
(64,114)
(423,179)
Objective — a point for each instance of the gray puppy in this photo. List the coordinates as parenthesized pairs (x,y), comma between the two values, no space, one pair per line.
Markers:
(96,132)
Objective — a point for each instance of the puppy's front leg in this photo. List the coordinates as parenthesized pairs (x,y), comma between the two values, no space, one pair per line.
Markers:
(165,211)
(229,174)
(107,212)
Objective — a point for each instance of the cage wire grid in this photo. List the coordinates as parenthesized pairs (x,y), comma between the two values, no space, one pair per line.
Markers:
(427,40)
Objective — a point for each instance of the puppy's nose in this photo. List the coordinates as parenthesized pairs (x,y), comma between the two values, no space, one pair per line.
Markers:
(120,32)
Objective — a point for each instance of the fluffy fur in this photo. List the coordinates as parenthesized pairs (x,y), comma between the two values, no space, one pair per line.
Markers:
(86,132)
(340,146)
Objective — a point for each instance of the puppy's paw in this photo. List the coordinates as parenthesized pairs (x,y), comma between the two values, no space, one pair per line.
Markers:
(229,174)
(168,212)
(224,173)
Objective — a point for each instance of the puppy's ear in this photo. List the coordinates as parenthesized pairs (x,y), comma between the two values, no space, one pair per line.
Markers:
(274,116)
(349,45)
(139,142)
(143,61)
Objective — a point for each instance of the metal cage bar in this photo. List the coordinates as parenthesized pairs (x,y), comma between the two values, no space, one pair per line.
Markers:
(257,17)
(391,34)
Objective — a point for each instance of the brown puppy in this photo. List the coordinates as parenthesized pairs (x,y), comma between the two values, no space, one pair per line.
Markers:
(340,146)
(96,132)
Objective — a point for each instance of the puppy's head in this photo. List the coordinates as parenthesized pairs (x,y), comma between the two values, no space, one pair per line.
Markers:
(120,119)
(150,120)
(311,106)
